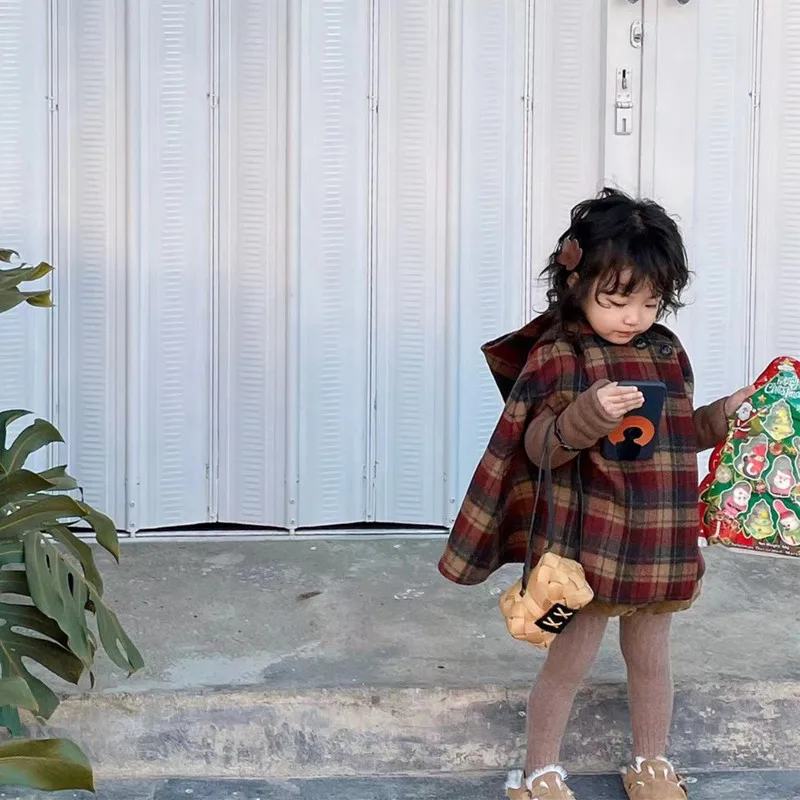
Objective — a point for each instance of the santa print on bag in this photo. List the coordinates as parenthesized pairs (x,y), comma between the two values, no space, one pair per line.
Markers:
(737,500)
(743,416)
(790,524)
(750,500)
(753,458)
(780,479)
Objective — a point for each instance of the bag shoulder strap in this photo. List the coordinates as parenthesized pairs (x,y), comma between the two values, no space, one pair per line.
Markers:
(546,471)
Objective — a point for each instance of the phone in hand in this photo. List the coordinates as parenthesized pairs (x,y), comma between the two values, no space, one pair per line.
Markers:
(636,437)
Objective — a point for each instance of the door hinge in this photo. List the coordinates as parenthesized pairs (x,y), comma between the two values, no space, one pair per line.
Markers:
(213,100)
(52,104)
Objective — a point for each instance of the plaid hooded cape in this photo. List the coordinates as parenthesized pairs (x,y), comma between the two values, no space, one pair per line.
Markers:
(639,541)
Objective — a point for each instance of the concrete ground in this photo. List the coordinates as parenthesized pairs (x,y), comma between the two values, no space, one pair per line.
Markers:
(330,614)
(722,786)
(322,659)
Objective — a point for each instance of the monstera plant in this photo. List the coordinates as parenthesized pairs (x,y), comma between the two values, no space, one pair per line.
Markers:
(50,587)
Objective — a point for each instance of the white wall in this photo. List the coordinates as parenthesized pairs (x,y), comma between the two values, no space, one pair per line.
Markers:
(25,195)
(698,145)
(284,229)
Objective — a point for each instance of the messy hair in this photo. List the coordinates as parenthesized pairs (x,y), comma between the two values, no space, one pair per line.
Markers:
(625,244)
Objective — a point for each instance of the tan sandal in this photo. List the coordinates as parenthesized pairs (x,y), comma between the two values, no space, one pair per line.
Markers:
(653,779)
(547,784)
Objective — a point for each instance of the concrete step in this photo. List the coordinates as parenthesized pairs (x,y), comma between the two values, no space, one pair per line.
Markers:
(314,659)
(342,732)
(702,786)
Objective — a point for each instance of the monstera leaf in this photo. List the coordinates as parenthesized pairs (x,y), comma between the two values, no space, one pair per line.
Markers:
(27,632)
(50,765)
(31,501)
(51,573)
(47,764)
(10,279)
(62,591)
(51,592)
(14,695)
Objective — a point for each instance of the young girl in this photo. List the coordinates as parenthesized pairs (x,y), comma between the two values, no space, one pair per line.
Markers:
(633,525)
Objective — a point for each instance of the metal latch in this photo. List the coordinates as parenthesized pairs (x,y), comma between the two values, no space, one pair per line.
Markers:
(637,33)
(623,103)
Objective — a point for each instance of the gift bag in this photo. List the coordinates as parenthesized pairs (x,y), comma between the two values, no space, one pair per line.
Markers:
(750,500)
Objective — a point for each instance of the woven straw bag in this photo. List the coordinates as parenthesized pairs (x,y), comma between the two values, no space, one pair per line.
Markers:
(542,603)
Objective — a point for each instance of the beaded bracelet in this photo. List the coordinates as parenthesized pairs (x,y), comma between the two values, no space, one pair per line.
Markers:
(559,436)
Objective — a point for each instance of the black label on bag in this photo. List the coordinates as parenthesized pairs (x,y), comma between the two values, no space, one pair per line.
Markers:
(556,619)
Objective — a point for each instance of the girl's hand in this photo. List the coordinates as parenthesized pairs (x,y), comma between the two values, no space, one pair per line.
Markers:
(616,401)
(737,398)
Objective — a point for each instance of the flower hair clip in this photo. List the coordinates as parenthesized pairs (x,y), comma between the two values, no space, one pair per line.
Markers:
(570,254)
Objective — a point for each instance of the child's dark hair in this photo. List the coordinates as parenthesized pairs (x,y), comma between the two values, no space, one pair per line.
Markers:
(618,235)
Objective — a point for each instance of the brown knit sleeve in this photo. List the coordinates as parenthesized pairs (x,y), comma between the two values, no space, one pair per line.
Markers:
(582,423)
(710,422)
(711,425)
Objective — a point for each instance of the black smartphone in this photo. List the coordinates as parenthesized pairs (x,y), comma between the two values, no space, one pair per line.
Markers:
(637,436)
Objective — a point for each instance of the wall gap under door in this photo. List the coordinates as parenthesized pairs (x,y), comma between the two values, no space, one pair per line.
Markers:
(370,456)
(212,470)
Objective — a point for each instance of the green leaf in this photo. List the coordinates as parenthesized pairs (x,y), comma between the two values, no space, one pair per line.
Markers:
(6,419)
(10,553)
(44,513)
(10,719)
(8,255)
(14,581)
(50,765)
(36,436)
(48,648)
(117,644)
(11,278)
(62,592)
(20,484)
(15,692)
(39,299)
(81,551)
(58,592)
(60,479)
(11,298)
(104,529)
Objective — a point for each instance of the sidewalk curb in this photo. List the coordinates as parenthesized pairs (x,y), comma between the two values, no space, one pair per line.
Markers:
(771,784)
(333,732)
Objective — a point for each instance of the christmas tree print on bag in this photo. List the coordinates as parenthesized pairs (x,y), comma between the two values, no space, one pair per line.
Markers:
(750,500)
